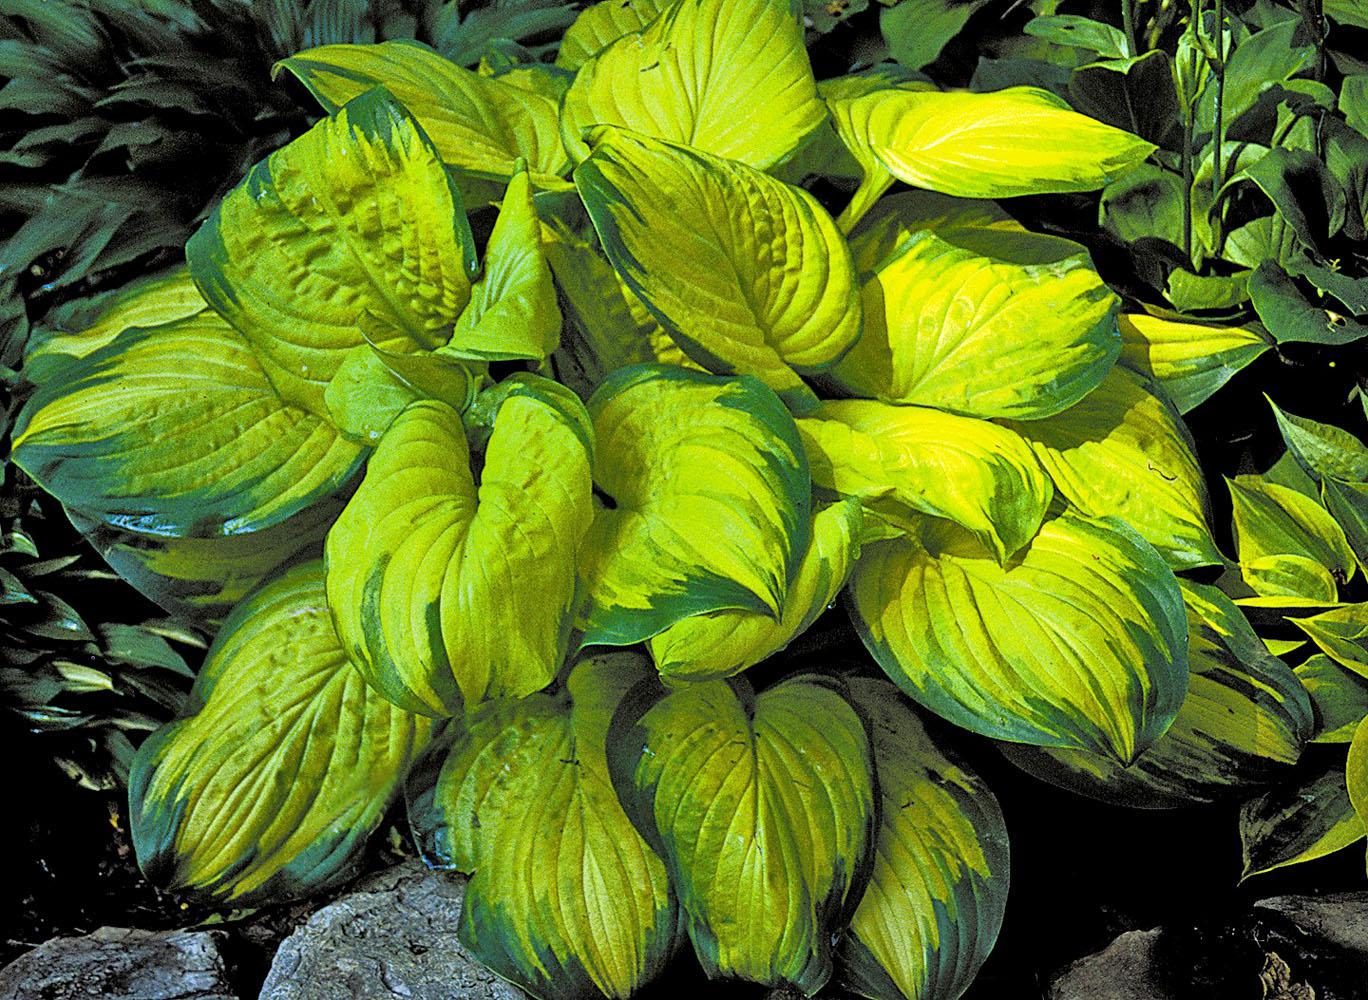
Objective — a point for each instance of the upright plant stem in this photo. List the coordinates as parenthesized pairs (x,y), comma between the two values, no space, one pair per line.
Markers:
(1189,124)
(1128,21)
(1218,67)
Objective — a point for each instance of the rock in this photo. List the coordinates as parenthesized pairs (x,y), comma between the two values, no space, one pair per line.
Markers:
(1338,920)
(394,935)
(119,963)
(1127,969)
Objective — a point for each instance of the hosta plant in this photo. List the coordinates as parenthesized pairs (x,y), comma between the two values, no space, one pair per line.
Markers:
(513,426)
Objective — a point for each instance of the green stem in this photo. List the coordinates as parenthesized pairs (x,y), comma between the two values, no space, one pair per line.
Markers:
(1128,20)
(1189,124)
(1187,182)
(1218,67)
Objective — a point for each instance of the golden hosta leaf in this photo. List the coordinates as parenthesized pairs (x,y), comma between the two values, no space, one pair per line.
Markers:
(446,591)
(177,431)
(763,809)
(202,579)
(1123,451)
(609,327)
(567,900)
(938,888)
(152,301)
(748,274)
(1079,641)
(725,77)
(723,643)
(975,473)
(1342,634)
(290,759)
(1284,537)
(481,124)
(1243,722)
(600,24)
(352,233)
(1017,141)
(1190,360)
(706,501)
(947,327)
(512,314)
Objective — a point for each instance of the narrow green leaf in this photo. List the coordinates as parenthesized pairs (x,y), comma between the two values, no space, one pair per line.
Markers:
(1323,450)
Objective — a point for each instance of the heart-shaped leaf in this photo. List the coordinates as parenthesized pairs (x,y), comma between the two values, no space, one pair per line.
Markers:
(949,328)
(706,501)
(763,809)
(938,888)
(524,787)
(119,436)
(481,124)
(1122,451)
(713,247)
(289,760)
(1080,641)
(723,643)
(726,77)
(448,590)
(1244,721)
(352,233)
(899,459)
